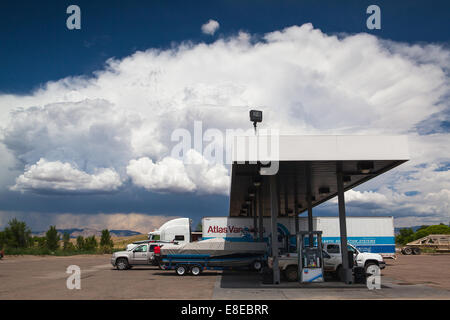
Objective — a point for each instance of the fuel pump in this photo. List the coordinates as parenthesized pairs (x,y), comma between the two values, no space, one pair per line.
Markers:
(310,256)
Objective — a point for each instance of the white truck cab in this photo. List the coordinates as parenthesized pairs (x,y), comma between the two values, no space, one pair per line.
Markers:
(178,230)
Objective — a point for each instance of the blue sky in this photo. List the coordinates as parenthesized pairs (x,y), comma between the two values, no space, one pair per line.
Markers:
(36,46)
(43,63)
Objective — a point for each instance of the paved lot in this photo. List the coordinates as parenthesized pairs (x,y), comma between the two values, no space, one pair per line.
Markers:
(432,270)
(30,277)
(33,277)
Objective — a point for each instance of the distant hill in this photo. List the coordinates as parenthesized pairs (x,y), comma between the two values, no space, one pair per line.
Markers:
(87,232)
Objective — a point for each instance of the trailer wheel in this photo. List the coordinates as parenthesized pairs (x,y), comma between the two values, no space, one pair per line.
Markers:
(180,270)
(291,273)
(122,264)
(195,270)
(416,251)
(407,250)
(257,265)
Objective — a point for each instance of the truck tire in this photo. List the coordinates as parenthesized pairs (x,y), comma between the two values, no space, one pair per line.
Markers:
(180,270)
(368,264)
(291,273)
(416,251)
(257,265)
(407,250)
(339,273)
(122,264)
(196,270)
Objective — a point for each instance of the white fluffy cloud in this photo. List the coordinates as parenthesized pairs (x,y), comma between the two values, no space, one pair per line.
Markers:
(210,27)
(308,82)
(172,174)
(167,174)
(56,176)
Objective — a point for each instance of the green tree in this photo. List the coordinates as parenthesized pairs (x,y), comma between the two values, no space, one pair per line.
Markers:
(106,244)
(2,240)
(41,243)
(436,229)
(80,243)
(199,226)
(52,238)
(405,235)
(91,243)
(67,245)
(17,234)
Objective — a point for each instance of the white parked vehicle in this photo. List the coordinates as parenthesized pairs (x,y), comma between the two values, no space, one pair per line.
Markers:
(178,230)
(288,263)
(140,255)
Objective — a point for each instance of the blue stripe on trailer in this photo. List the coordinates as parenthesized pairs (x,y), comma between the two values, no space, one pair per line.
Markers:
(377,248)
(360,241)
(168,259)
(236,239)
(188,256)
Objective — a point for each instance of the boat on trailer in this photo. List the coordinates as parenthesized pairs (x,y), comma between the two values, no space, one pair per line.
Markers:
(211,254)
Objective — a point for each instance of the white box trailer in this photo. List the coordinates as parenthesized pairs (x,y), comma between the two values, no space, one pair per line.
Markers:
(368,234)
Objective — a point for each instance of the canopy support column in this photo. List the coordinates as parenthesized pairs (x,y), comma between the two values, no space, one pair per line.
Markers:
(260,212)
(296,205)
(346,272)
(274,231)
(255,217)
(309,201)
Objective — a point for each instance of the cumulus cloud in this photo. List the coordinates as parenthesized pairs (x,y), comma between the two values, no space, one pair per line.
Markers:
(308,82)
(210,27)
(355,198)
(172,174)
(56,176)
(167,174)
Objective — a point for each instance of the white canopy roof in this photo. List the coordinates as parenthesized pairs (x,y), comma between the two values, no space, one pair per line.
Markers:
(316,157)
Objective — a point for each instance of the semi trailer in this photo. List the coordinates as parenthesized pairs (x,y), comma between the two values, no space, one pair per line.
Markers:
(367,234)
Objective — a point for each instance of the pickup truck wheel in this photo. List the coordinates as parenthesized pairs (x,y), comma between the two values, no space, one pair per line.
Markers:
(180,270)
(368,265)
(416,251)
(195,270)
(340,273)
(122,264)
(291,273)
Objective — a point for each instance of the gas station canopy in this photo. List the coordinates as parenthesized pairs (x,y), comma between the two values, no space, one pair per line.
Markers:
(308,165)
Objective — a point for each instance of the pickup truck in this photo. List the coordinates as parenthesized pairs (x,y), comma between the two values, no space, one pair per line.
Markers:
(288,263)
(139,255)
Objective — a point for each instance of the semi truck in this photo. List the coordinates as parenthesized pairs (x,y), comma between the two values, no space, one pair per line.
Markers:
(367,234)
